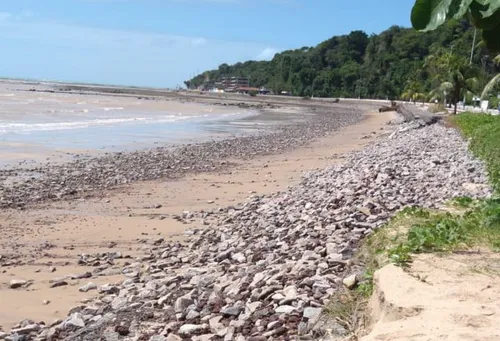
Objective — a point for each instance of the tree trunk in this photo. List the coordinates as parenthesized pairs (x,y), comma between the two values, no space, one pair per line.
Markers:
(455,109)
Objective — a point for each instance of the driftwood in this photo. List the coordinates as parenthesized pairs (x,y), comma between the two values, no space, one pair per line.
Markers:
(386,108)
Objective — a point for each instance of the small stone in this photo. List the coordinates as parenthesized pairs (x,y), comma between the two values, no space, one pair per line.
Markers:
(82,275)
(231,311)
(17,283)
(239,257)
(182,303)
(277,297)
(311,313)
(285,309)
(193,314)
(75,320)
(87,287)
(350,282)
(45,302)
(25,330)
(331,248)
(252,307)
(274,325)
(122,330)
(109,289)
(58,284)
(190,329)
(118,303)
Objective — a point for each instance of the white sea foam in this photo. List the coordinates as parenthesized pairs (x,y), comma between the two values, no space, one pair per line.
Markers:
(24,127)
(113,108)
(66,111)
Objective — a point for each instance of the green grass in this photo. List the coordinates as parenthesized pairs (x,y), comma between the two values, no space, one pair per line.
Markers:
(484,133)
(465,224)
(475,224)
(415,230)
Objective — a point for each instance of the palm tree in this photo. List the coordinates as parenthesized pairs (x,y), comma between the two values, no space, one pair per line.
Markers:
(493,82)
(454,78)
(413,92)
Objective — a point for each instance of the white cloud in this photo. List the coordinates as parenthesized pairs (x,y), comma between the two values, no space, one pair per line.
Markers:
(199,41)
(267,54)
(79,53)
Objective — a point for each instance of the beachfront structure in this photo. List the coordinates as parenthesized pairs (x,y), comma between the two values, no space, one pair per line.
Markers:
(233,84)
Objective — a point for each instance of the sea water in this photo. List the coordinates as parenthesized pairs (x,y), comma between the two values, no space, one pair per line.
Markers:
(83,123)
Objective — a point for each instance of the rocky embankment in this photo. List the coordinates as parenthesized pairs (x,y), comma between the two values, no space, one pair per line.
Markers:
(86,176)
(263,270)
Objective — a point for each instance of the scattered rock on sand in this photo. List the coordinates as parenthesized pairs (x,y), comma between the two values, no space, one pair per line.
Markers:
(87,287)
(350,282)
(275,260)
(17,283)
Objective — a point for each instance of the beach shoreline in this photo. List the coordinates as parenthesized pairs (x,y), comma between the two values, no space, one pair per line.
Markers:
(51,233)
(275,129)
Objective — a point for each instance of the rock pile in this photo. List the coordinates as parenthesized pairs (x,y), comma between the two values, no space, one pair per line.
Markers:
(264,269)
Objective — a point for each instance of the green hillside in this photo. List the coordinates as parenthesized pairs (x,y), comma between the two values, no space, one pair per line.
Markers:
(375,66)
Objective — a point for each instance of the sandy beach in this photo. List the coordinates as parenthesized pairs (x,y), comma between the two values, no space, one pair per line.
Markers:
(245,236)
(43,241)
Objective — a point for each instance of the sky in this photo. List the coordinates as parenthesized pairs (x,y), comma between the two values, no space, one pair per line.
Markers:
(161,43)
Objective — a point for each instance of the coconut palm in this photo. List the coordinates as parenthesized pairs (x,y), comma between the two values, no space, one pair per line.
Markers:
(413,92)
(454,77)
(493,82)
(413,96)
(455,89)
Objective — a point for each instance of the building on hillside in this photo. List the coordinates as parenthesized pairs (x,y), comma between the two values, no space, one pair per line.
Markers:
(232,84)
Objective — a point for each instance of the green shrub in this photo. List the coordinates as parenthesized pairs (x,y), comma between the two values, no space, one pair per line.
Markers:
(444,232)
(494,102)
(252,93)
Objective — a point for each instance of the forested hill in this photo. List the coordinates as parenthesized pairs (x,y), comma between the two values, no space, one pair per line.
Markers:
(376,66)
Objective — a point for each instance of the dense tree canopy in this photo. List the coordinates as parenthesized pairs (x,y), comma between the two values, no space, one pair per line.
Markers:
(484,14)
(357,65)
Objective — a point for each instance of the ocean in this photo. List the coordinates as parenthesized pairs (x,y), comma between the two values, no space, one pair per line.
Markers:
(36,125)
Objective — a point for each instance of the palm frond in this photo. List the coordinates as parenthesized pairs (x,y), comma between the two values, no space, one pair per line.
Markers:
(446,86)
(490,86)
(496,60)
(472,83)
